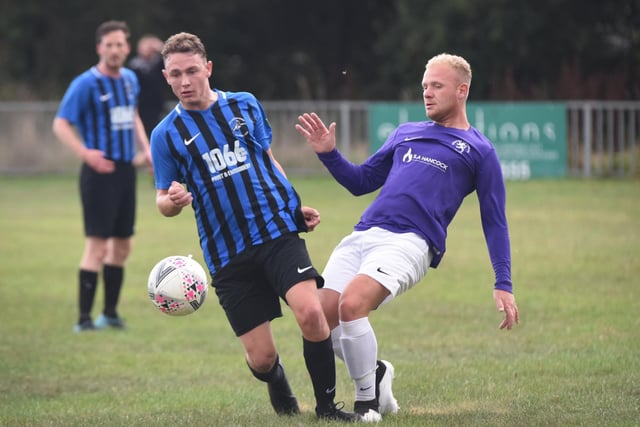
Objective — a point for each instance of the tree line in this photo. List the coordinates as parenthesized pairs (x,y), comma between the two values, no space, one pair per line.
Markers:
(344,49)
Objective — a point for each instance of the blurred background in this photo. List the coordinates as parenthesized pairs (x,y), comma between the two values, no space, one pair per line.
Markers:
(342,57)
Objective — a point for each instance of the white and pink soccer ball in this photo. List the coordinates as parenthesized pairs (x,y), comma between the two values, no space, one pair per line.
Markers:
(178,285)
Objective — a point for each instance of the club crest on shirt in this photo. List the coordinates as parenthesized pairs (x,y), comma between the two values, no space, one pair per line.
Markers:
(461,146)
(239,127)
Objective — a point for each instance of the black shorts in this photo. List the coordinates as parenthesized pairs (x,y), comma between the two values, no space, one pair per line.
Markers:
(249,288)
(108,201)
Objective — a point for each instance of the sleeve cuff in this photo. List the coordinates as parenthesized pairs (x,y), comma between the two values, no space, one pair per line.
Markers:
(331,155)
(504,286)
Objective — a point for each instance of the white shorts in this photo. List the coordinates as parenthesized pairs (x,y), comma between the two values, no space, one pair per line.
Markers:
(398,261)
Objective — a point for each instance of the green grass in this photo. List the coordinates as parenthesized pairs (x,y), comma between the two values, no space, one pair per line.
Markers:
(573,361)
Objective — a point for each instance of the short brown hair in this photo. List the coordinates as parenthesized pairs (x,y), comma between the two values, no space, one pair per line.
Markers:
(111,26)
(184,43)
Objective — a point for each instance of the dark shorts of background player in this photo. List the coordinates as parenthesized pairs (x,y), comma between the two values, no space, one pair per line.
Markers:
(108,201)
(249,288)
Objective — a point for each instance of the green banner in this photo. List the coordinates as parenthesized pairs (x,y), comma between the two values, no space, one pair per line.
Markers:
(530,138)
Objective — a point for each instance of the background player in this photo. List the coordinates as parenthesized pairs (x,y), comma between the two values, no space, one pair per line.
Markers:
(98,119)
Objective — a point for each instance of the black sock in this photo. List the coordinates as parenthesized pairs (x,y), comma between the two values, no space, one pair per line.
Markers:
(88,281)
(321,364)
(274,375)
(113,277)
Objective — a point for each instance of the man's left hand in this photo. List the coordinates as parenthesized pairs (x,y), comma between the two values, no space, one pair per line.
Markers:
(506,303)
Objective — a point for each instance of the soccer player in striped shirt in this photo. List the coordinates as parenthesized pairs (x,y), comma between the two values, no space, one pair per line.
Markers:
(98,119)
(425,170)
(217,144)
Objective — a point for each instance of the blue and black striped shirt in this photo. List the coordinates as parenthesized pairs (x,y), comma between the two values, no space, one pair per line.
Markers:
(240,198)
(103,110)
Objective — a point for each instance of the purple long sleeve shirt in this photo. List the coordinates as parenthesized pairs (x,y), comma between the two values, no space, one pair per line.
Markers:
(425,171)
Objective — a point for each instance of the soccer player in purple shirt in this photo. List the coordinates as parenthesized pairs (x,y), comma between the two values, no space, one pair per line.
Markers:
(425,170)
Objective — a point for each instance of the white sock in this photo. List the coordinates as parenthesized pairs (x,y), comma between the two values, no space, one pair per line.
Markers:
(336,333)
(360,351)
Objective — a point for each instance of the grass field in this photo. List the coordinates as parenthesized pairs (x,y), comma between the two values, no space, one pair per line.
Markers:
(573,361)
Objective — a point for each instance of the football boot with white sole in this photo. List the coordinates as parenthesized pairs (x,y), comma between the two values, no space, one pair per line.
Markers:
(387,404)
(367,410)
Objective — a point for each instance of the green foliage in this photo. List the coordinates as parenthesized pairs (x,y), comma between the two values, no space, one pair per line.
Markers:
(286,49)
(573,360)
(519,49)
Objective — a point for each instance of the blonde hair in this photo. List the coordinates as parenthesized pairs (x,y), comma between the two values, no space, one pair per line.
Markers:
(458,63)
(184,43)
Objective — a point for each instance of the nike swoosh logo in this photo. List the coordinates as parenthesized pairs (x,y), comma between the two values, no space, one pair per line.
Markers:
(302,270)
(189,141)
(365,388)
(106,97)
(330,390)
(411,138)
(379,270)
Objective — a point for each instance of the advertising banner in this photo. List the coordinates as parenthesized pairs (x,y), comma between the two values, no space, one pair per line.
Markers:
(530,138)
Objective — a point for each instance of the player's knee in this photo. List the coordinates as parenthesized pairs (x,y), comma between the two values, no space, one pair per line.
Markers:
(351,308)
(95,252)
(311,320)
(119,251)
(261,362)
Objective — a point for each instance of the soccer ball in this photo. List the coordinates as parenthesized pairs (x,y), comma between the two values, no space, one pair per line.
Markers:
(178,285)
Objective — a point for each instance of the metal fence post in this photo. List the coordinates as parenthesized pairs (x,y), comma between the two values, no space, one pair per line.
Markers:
(345,128)
(587,140)
(632,139)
